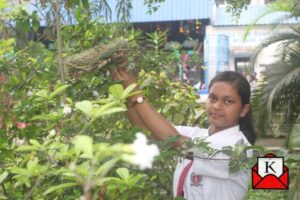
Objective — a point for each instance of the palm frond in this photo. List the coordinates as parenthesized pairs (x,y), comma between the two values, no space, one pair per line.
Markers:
(103,6)
(260,114)
(280,92)
(123,10)
(286,38)
(282,75)
(287,7)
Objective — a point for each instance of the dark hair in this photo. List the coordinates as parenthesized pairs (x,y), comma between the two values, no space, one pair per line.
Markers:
(243,88)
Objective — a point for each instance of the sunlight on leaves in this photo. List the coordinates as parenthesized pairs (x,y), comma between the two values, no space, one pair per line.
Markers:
(83,144)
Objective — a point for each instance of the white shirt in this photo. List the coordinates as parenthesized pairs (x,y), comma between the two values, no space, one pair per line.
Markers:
(216,181)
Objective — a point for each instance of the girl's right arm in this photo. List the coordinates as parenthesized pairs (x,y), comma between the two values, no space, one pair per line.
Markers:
(143,114)
(134,118)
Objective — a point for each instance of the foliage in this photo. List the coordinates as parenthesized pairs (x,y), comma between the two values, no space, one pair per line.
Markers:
(176,102)
(43,133)
(236,7)
(153,5)
(125,185)
(58,166)
(293,160)
(264,194)
(279,89)
(51,160)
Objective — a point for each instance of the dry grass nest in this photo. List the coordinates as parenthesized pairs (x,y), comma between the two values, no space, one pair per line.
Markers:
(112,55)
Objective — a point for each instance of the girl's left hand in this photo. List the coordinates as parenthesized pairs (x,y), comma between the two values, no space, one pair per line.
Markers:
(123,75)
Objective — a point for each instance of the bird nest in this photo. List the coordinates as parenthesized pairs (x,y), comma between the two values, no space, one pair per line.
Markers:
(114,54)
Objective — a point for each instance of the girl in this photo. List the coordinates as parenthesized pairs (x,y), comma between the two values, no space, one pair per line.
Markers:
(229,113)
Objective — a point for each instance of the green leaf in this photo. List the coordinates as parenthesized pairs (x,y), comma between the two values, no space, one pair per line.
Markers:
(127,90)
(105,107)
(102,180)
(20,171)
(24,76)
(35,25)
(27,148)
(60,187)
(58,91)
(85,4)
(6,153)
(35,21)
(69,100)
(178,118)
(84,144)
(86,107)
(167,107)
(3,4)
(23,24)
(3,142)
(83,169)
(35,143)
(114,110)
(78,13)
(3,176)
(116,90)
(32,163)
(42,93)
(53,116)
(123,173)
(104,168)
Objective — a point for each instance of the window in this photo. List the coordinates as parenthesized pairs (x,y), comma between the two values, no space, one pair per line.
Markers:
(241,65)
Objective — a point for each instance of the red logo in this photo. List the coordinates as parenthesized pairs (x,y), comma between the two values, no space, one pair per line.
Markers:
(196,179)
(270,173)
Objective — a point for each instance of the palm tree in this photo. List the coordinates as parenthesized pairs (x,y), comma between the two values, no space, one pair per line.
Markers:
(280,91)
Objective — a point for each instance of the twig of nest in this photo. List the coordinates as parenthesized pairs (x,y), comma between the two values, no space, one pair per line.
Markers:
(113,54)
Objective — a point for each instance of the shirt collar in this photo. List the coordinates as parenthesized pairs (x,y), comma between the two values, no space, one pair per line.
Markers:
(233,129)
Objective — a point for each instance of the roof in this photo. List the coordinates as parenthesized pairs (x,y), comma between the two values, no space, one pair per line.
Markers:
(177,10)
(171,10)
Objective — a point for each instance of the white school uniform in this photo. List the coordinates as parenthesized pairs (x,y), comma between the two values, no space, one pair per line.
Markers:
(216,181)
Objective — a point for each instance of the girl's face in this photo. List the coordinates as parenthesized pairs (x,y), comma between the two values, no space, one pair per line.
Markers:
(224,106)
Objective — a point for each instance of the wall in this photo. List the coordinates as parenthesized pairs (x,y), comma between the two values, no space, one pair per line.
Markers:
(240,48)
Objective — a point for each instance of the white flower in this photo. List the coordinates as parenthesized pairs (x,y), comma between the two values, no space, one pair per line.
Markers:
(29,93)
(95,94)
(67,110)
(143,153)
(52,132)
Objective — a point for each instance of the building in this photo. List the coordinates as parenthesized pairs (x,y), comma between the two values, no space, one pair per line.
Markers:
(222,35)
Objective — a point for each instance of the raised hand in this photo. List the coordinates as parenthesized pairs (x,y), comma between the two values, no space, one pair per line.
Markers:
(123,75)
